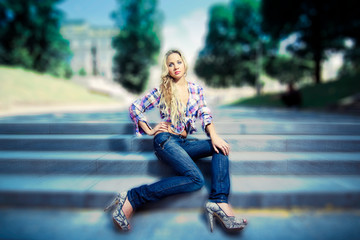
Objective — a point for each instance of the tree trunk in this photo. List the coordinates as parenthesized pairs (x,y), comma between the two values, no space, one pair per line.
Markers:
(317,60)
(259,68)
(317,40)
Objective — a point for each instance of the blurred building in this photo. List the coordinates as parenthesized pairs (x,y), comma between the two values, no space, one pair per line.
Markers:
(91,48)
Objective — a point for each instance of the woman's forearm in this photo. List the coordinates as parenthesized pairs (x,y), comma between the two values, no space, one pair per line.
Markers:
(145,127)
(218,143)
(160,127)
(211,130)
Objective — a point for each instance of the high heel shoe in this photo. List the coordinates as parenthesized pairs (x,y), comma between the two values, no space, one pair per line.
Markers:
(229,222)
(119,217)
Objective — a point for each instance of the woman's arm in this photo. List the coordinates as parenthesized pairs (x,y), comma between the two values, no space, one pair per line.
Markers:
(217,142)
(162,127)
(204,113)
(138,107)
(205,116)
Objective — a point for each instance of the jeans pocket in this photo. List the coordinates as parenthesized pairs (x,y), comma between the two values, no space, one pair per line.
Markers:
(162,144)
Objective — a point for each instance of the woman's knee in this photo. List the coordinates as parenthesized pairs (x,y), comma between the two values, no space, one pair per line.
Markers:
(221,156)
(198,181)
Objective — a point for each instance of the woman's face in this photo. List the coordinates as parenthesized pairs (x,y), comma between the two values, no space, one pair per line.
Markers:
(175,66)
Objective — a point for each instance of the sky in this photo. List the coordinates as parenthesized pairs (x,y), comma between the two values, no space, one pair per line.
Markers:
(184,26)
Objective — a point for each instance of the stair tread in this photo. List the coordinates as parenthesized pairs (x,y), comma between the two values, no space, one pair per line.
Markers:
(238,127)
(149,156)
(270,224)
(240,184)
(221,113)
(132,163)
(121,136)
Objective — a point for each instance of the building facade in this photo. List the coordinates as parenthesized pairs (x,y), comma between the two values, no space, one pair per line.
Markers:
(91,47)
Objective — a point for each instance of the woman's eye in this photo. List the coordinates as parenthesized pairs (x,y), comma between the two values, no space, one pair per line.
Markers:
(170,65)
(179,62)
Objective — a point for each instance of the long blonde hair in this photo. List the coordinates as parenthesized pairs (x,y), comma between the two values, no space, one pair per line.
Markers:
(169,94)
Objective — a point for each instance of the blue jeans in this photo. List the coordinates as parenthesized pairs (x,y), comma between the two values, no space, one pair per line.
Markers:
(180,153)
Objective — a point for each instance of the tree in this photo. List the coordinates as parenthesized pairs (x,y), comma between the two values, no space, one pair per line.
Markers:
(287,69)
(30,36)
(351,27)
(233,48)
(254,43)
(137,45)
(351,60)
(215,61)
(320,26)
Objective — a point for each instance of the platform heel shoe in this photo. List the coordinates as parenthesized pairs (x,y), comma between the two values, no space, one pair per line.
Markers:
(119,217)
(231,223)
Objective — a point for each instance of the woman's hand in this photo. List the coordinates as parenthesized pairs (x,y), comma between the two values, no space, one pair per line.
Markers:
(219,143)
(161,127)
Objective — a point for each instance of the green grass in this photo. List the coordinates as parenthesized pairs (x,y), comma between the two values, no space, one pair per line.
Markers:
(318,96)
(21,87)
(265,100)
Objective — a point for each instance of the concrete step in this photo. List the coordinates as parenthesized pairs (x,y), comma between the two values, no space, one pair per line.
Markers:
(91,224)
(128,143)
(281,114)
(127,163)
(246,191)
(231,114)
(67,128)
(262,128)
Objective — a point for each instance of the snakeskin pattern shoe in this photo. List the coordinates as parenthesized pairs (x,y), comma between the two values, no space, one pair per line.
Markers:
(229,222)
(119,217)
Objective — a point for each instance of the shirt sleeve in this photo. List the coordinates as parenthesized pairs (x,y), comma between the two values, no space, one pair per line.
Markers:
(138,107)
(204,112)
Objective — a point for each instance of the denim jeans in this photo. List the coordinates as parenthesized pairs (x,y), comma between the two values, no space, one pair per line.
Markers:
(179,153)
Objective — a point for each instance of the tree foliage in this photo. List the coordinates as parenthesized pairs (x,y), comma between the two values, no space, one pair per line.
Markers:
(138,43)
(233,45)
(30,36)
(320,26)
(287,69)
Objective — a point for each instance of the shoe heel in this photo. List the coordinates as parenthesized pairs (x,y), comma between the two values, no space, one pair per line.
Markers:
(211,220)
(112,204)
(230,223)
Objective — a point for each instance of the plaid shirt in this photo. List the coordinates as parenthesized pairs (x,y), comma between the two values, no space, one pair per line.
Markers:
(195,108)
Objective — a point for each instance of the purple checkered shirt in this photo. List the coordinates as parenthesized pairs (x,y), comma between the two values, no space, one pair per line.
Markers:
(195,108)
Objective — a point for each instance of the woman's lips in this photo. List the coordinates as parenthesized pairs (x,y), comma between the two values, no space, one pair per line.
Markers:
(177,72)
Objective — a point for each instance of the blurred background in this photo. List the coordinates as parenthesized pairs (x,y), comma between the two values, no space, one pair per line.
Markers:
(276,74)
(300,54)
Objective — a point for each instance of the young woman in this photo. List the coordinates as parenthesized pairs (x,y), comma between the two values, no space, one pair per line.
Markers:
(180,103)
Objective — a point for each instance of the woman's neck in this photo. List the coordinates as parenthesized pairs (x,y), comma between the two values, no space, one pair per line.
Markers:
(181,82)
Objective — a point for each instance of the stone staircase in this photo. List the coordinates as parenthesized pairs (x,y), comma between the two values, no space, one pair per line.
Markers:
(279,159)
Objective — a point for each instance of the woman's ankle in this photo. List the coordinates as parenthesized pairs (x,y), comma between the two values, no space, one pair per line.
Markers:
(127,209)
(227,209)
